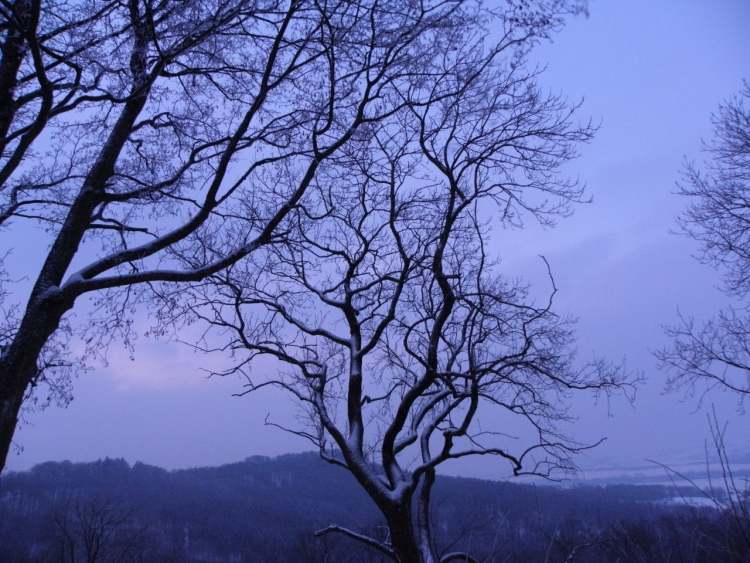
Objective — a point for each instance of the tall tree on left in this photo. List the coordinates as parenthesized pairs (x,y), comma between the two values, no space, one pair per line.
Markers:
(161,141)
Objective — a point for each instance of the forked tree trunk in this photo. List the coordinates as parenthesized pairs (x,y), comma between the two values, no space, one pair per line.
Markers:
(410,526)
(406,539)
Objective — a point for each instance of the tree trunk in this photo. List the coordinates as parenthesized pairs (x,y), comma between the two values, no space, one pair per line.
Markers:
(405,538)
(24,14)
(48,303)
(10,405)
(423,520)
(19,362)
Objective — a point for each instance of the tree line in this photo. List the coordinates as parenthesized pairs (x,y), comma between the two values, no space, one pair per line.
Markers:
(266,509)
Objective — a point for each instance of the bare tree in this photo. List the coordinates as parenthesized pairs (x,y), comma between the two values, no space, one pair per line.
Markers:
(715,354)
(198,127)
(97,530)
(384,308)
(727,492)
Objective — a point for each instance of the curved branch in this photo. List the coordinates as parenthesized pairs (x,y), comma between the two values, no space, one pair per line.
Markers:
(458,556)
(371,542)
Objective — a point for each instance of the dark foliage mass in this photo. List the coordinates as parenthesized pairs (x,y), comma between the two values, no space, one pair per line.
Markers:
(265,509)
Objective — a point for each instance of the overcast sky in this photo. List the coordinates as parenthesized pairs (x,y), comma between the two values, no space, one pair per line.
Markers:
(652,73)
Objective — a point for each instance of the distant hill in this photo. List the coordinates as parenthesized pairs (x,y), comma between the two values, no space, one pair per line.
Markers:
(266,509)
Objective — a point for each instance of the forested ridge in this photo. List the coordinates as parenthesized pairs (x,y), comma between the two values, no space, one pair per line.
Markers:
(268,509)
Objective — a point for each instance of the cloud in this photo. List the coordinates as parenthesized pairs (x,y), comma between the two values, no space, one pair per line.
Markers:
(156,365)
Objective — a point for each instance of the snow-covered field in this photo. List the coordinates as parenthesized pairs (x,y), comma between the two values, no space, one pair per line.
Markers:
(692,474)
(652,473)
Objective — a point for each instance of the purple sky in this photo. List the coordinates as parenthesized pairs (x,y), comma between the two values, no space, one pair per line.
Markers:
(652,72)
